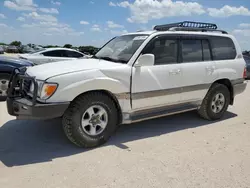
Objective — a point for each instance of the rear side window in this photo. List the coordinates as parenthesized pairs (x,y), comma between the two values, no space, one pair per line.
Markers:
(191,50)
(54,53)
(73,54)
(223,48)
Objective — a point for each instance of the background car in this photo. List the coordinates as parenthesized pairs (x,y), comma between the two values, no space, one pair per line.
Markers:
(12,49)
(7,64)
(247,59)
(52,55)
(1,50)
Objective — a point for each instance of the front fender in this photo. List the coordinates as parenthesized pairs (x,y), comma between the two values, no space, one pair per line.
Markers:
(70,92)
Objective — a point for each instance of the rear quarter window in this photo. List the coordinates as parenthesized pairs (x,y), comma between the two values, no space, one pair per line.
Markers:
(223,48)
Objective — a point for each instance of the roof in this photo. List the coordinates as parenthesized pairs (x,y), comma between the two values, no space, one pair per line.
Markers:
(141,32)
(52,49)
(209,33)
(190,27)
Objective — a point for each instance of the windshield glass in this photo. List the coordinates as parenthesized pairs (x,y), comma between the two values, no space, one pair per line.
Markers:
(122,48)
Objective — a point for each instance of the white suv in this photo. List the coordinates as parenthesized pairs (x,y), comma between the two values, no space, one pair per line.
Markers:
(138,76)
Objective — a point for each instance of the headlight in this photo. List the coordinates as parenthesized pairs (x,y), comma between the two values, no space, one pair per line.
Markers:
(45,90)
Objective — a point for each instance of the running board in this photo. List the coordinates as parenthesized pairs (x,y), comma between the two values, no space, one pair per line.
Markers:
(143,115)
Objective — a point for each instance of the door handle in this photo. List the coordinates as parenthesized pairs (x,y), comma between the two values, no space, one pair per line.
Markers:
(175,72)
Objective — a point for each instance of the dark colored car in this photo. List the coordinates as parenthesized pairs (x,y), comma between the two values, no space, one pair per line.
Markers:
(247,59)
(7,64)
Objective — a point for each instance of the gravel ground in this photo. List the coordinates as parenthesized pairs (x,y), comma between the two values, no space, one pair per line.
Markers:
(176,151)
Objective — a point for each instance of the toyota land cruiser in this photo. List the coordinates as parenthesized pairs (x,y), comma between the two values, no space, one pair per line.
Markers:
(137,76)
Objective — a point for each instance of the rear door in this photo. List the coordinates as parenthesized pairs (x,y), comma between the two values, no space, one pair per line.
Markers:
(198,70)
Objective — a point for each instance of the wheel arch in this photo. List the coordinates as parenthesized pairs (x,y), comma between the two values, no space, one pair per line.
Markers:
(110,95)
(228,84)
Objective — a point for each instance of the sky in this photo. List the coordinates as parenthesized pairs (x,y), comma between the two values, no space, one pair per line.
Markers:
(94,22)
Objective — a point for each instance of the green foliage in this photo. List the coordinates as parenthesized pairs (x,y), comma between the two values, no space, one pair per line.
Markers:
(51,46)
(1,43)
(67,46)
(88,49)
(16,43)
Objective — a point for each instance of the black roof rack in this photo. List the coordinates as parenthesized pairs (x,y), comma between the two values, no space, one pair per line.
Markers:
(189,26)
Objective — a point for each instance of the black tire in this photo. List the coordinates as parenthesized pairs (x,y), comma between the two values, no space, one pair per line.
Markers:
(7,77)
(72,120)
(205,111)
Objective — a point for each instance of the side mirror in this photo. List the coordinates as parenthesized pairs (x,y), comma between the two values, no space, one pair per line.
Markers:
(145,60)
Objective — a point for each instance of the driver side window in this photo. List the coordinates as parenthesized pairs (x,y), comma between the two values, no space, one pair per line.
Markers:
(164,49)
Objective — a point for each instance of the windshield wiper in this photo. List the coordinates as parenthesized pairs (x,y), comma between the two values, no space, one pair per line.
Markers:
(111,59)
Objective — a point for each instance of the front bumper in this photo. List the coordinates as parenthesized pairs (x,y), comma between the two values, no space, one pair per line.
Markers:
(24,109)
(21,105)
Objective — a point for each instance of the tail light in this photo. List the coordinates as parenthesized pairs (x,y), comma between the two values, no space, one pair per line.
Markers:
(245,73)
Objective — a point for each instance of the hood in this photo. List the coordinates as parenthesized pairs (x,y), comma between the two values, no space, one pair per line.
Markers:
(48,70)
(15,61)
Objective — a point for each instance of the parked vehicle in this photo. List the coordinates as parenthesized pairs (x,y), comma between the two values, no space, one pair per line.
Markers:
(52,55)
(138,76)
(1,50)
(7,64)
(247,59)
(12,49)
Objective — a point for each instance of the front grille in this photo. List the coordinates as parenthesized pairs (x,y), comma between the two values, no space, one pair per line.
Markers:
(26,86)
(19,86)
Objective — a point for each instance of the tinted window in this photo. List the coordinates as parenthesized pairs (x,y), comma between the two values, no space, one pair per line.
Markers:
(206,51)
(73,54)
(191,50)
(164,49)
(223,48)
(54,53)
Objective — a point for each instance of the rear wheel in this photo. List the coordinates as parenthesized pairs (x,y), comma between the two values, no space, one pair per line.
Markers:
(4,82)
(216,102)
(90,120)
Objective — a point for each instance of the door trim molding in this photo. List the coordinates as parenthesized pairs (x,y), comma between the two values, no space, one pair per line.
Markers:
(171,91)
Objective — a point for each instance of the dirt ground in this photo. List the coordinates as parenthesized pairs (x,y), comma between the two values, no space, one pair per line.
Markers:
(176,151)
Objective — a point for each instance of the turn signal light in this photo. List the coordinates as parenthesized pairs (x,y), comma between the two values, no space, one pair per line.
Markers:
(50,89)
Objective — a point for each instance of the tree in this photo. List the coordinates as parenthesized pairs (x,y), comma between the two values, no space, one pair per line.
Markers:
(89,49)
(16,43)
(51,46)
(67,46)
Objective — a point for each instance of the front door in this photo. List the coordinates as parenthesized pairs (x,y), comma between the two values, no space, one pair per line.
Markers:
(158,85)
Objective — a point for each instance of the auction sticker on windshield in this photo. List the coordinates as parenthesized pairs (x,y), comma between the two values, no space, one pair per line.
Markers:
(140,38)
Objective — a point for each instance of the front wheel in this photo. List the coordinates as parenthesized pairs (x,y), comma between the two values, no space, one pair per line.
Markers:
(90,120)
(4,82)
(216,102)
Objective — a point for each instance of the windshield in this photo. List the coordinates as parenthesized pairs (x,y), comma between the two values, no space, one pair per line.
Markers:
(122,48)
